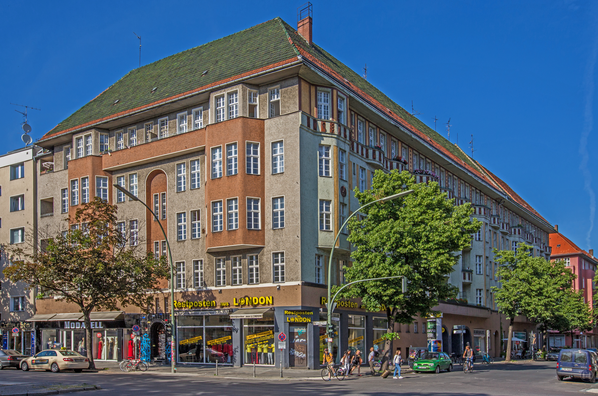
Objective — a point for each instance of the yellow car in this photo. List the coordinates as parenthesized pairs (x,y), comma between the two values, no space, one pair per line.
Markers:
(56,360)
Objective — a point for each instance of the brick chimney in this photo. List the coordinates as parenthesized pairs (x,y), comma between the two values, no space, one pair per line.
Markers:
(305,22)
(556,227)
(592,252)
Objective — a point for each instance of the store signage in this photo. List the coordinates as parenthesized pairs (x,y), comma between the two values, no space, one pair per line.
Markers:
(220,340)
(298,316)
(192,340)
(282,345)
(478,333)
(267,300)
(458,331)
(195,304)
(341,303)
(81,325)
(355,340)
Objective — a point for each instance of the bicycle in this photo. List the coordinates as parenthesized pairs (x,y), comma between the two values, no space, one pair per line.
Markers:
(133,365)
(487,359)
(340,373)
(468,366)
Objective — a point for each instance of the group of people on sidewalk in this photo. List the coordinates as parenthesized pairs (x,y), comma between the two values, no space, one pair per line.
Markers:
(351,361)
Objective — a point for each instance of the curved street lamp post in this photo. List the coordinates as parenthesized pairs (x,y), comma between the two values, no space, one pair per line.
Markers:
(172,324)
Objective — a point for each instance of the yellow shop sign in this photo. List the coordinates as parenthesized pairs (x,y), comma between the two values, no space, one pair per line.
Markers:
(268,300)
(220,340)
(195,304)
(298,316)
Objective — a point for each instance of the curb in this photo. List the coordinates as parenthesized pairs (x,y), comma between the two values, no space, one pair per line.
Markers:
(38,392)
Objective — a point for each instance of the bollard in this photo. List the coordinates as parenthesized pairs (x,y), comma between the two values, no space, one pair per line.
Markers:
(254,369)
(281,363)
(216,367)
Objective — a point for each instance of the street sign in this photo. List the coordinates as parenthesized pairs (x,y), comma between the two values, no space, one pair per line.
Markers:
(319,323)
(282,337)
(458,331)
(328,339)
(136,328)
(282,345)
(15,330)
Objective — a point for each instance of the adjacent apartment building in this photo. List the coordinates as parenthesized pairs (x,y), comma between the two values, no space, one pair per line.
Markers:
(583,265)
(248,148)
(18,216)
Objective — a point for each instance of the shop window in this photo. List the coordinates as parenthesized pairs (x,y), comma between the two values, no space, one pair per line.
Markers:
(379,328)
(335,339)
(259,340)
(356,327)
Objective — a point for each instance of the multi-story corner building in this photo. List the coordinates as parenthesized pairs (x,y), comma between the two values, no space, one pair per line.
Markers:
(17,224)
(583,265)
(248,148)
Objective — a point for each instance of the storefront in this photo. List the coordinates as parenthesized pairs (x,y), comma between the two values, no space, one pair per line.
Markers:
(204,337)
(19,336)
(479,341)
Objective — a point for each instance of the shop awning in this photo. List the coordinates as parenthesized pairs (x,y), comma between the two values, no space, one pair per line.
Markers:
(59,317)
(40,318)
(105,316)
(514,339)
(249,313)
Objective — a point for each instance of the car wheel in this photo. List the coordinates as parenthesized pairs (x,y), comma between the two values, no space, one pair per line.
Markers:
(559,377)
(437,369)
(24,366)
(450,368)
(78,370)
(55,368)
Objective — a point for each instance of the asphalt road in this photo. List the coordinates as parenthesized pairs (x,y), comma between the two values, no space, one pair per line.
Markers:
(498,379)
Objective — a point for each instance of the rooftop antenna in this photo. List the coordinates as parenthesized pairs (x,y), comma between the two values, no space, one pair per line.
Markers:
(139,47)
(448,128)
(435,119)
(25,126)
(471,146)
(413,112)
(365,71)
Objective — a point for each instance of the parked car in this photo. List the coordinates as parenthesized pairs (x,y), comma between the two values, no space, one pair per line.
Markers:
(10,358)
(553,354)
(56,360)
(433,361)
(577,363)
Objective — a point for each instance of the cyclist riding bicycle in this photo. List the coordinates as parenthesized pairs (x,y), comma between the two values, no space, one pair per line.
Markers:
(468,356)
(328,361)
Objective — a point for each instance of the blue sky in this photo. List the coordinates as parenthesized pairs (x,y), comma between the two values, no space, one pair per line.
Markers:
(518,75)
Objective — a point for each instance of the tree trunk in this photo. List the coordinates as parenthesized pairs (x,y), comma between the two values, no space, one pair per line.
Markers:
(390,328)
(88,338)
(509,342)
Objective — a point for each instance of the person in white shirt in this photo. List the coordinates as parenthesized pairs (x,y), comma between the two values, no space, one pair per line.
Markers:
(398,361)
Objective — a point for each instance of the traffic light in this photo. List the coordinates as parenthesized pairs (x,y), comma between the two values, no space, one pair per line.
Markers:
(331,330)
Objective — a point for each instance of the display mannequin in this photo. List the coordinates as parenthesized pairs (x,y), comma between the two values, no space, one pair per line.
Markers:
(100,347)
(131,348)
(114,349)
(110,348)
(81,346)
(270,354)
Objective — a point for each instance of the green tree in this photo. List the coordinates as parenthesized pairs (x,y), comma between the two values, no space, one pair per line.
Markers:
(91,267)
(418,236)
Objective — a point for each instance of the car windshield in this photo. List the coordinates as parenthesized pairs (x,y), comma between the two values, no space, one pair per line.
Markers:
(430,356)
(69,353)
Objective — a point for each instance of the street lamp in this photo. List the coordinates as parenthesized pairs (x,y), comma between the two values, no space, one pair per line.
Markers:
(172,339)
(330,301)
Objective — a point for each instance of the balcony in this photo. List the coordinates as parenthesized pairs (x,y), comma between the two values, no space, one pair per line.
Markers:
(529,237)
(504,228)
(372,155)
(466,275)
(495,221)
(516,231)
(325,126)
(462,201)
(481,211)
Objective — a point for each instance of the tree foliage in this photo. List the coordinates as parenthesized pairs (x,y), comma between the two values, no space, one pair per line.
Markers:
(91,267)
(418,236)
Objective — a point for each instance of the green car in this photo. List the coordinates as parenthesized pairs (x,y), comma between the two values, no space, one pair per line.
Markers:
(433,361)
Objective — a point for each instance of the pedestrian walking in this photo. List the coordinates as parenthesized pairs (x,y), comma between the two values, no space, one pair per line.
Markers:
(371,357)
(346,361)
(398,361)
(356,361)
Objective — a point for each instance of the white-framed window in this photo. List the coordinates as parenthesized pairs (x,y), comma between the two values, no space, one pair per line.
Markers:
(274,102)
(74,192)
(181,226)
(478,265)
(195,174)
(325,215)
(253,158)
(360,131)
(133,184)
(64,200)
(163,128)
(277,157)
(232,155)
(181,177)
(233,105)
(216,162)
(17,203)
(478,235)
(79,145)
(102,187)
(220,272)
(278,212)
(372,136)
(478,297)
(324,161)
(342,109)
(181,123)
(383,143)
(85,189)
(120,196)
(342,164)
(323,98)
(17,304)
(220,108)
(156,250)
(164,248)
(122,233)
(237,270)
(88,145)
(216,216)
(133,232)
(514,245)
(362,179)
(180,275)
(567,261)
(278,266)
(195,224)
(104,142)
(253,213)
(163,201)
(149,132)
(17,235)
(252,98)
(343,216)
(393,149)
(120,140)
(198,281)
(253,269)
(232,213)
(319,274)
(197,118)
(132,132)
(67,156)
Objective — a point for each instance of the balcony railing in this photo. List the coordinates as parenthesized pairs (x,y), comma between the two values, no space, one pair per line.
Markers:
(481,210)
(504,228)
(516,231)
(325,126)
(466,275)
(495,221)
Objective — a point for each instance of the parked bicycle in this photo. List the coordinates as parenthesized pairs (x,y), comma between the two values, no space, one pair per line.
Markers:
(330,372)
(468,366)
(133,365)
(456,358)
(487,359)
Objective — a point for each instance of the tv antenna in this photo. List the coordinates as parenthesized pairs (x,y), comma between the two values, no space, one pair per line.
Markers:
(139,47)
(365,71)
(448,128)
(435,119)
(413,112)
(471,146)
(25,126)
